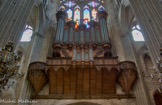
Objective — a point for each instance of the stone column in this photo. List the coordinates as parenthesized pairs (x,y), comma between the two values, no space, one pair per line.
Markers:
(37,47)
(61,16)
(140,91)
(149,15)
(102,16)
(35,56)
(13,16)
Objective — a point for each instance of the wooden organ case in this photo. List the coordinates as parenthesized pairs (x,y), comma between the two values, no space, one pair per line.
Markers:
(82,65)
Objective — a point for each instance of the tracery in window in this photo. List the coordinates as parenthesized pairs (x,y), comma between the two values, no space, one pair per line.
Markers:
(86,16)
(137,34)
(93,4)
(70,3)
(70,14)
(27,34)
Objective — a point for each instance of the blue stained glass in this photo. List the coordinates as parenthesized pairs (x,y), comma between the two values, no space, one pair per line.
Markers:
(86,17)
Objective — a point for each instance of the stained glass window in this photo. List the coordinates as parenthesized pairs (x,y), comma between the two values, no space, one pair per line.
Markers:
(82,10)
(27,34)
(86,16)
(77,16)
(70,14)
(94,14)
(69,3)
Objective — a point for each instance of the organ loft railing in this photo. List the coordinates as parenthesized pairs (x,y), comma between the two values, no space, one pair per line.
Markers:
(82,65)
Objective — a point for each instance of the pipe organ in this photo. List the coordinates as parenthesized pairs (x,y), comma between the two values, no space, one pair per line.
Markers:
(82,65)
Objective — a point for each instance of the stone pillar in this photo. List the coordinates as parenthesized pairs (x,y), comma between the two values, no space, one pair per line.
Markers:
(35,56)
(61,16)
(142,97)
(102,16)
(37,47)
(71,25)
(13,16)
(149,15)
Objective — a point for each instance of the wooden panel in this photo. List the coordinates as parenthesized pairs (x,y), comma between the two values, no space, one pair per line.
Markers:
(79,81)
(86,81)
(73,81)
(52,81)
(99,82)
(105,81)
(109,81)
(82,82)
(66,82)
(112,76)
(93,81)
(60,81)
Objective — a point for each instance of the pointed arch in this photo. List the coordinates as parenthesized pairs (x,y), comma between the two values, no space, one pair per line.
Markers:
(77,16)
(86,16)
(62,8)
(101,8)
(94,14)
(70,14)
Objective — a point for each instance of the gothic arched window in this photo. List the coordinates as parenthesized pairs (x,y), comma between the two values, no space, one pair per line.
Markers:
(94,14)
(77,16)
(86,16)
(137,34)
(27,34)
(70,14)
